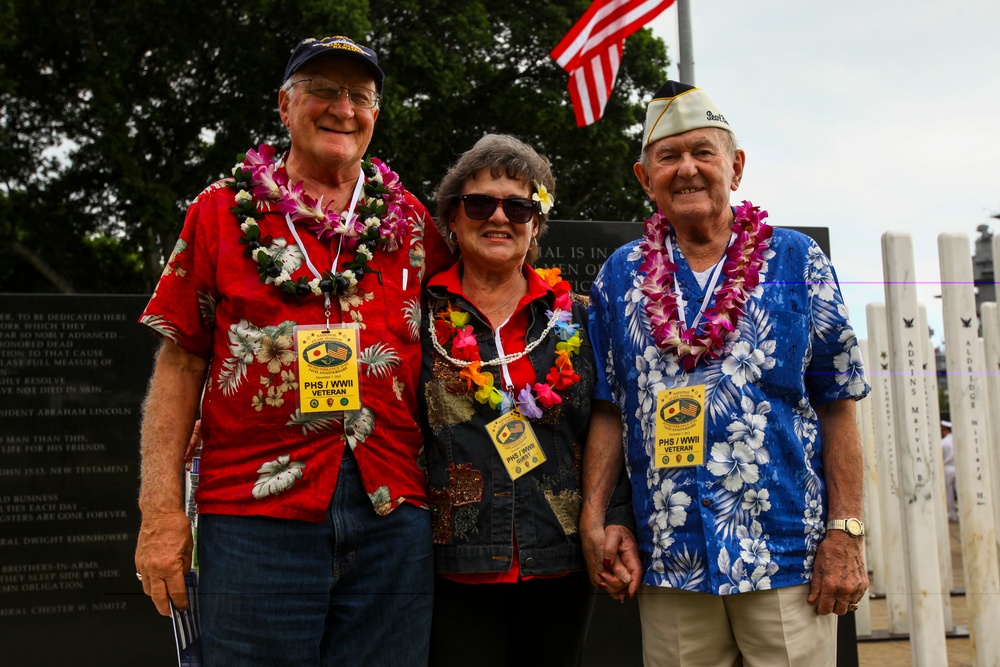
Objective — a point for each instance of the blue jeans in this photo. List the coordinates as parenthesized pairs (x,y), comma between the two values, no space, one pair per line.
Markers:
(355,589)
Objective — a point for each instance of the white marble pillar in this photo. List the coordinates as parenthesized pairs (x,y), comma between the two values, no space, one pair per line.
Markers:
(992,343)
(990,317)
(967,397)
(917,485)
(874,551)
(929,371)
(880,378)
(990,417)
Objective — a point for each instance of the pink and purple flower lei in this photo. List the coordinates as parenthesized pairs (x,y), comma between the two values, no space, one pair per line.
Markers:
(379,219)
(741,271)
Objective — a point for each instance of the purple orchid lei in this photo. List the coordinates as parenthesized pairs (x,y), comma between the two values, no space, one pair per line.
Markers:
(379,220)
(741,269)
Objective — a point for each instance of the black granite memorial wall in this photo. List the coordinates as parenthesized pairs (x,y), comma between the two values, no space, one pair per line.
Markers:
(73,372)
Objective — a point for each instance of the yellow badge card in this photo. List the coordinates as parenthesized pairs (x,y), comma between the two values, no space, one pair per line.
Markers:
(680,427)
(328,368)
(515,441)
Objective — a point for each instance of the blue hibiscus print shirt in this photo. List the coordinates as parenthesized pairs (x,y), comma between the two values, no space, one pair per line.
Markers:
(750,518)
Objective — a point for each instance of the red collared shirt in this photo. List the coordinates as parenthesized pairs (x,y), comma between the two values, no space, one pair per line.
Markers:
(260,454)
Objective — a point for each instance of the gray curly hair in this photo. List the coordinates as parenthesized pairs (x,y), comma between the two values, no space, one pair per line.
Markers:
(502,155)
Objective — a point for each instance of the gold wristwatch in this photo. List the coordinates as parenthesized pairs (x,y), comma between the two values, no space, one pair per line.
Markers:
(853,527)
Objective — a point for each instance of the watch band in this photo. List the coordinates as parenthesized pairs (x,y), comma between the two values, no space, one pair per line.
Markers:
(852,526)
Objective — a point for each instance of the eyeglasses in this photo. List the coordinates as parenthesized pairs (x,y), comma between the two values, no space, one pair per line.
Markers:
(481,207)
(363,98)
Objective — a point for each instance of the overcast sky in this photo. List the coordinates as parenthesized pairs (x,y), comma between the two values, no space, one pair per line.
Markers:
(863,116)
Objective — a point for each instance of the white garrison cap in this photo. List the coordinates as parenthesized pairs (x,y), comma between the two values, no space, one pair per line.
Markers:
(677,107)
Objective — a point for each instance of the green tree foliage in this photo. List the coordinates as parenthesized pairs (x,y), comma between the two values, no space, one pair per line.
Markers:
(114,115)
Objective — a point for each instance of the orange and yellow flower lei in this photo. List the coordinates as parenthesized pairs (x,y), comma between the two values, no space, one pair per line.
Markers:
(452,324)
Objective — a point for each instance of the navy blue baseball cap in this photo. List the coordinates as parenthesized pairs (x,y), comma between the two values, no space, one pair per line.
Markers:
(310,49)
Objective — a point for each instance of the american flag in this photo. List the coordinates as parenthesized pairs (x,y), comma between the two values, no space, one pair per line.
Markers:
(340,353)
(689,409)
(592,51)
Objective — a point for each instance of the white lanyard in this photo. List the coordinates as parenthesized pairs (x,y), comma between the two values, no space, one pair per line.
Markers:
(709,290)
(501,354)
(348,214)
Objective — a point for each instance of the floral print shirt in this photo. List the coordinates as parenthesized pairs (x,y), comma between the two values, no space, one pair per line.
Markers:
(260,454)
(752,516)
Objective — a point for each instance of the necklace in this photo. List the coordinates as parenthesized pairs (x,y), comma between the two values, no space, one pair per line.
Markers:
(452,324)
(490,312)
(376,220)
(741,269)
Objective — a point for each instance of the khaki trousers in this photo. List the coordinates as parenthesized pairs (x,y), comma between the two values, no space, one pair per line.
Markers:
(775,628)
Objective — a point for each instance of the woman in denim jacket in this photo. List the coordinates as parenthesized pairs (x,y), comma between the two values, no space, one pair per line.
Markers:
(507,377)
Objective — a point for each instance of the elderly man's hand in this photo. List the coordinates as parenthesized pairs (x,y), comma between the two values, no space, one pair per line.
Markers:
(621,563)
(163,557)
(839,578)
(613,562)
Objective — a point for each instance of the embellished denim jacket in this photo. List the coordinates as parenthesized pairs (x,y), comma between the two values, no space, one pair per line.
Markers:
(476,509)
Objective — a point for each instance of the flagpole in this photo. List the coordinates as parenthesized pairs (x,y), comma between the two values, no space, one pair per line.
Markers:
(686,64)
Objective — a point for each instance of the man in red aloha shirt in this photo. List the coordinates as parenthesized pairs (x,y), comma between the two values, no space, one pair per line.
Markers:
(314,540)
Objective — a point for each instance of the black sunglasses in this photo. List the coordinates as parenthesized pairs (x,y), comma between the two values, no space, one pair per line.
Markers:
(481,207)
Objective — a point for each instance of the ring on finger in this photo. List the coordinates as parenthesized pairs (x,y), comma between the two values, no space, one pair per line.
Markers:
(853,606)
(138,576)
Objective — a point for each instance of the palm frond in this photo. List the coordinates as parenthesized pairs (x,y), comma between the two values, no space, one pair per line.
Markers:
(379,360)
(311,423)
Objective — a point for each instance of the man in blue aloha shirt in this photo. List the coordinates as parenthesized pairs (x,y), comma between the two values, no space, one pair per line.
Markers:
(726,361)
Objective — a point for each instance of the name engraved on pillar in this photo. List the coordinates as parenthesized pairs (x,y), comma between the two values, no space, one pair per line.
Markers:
(975,435)
(922,474)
